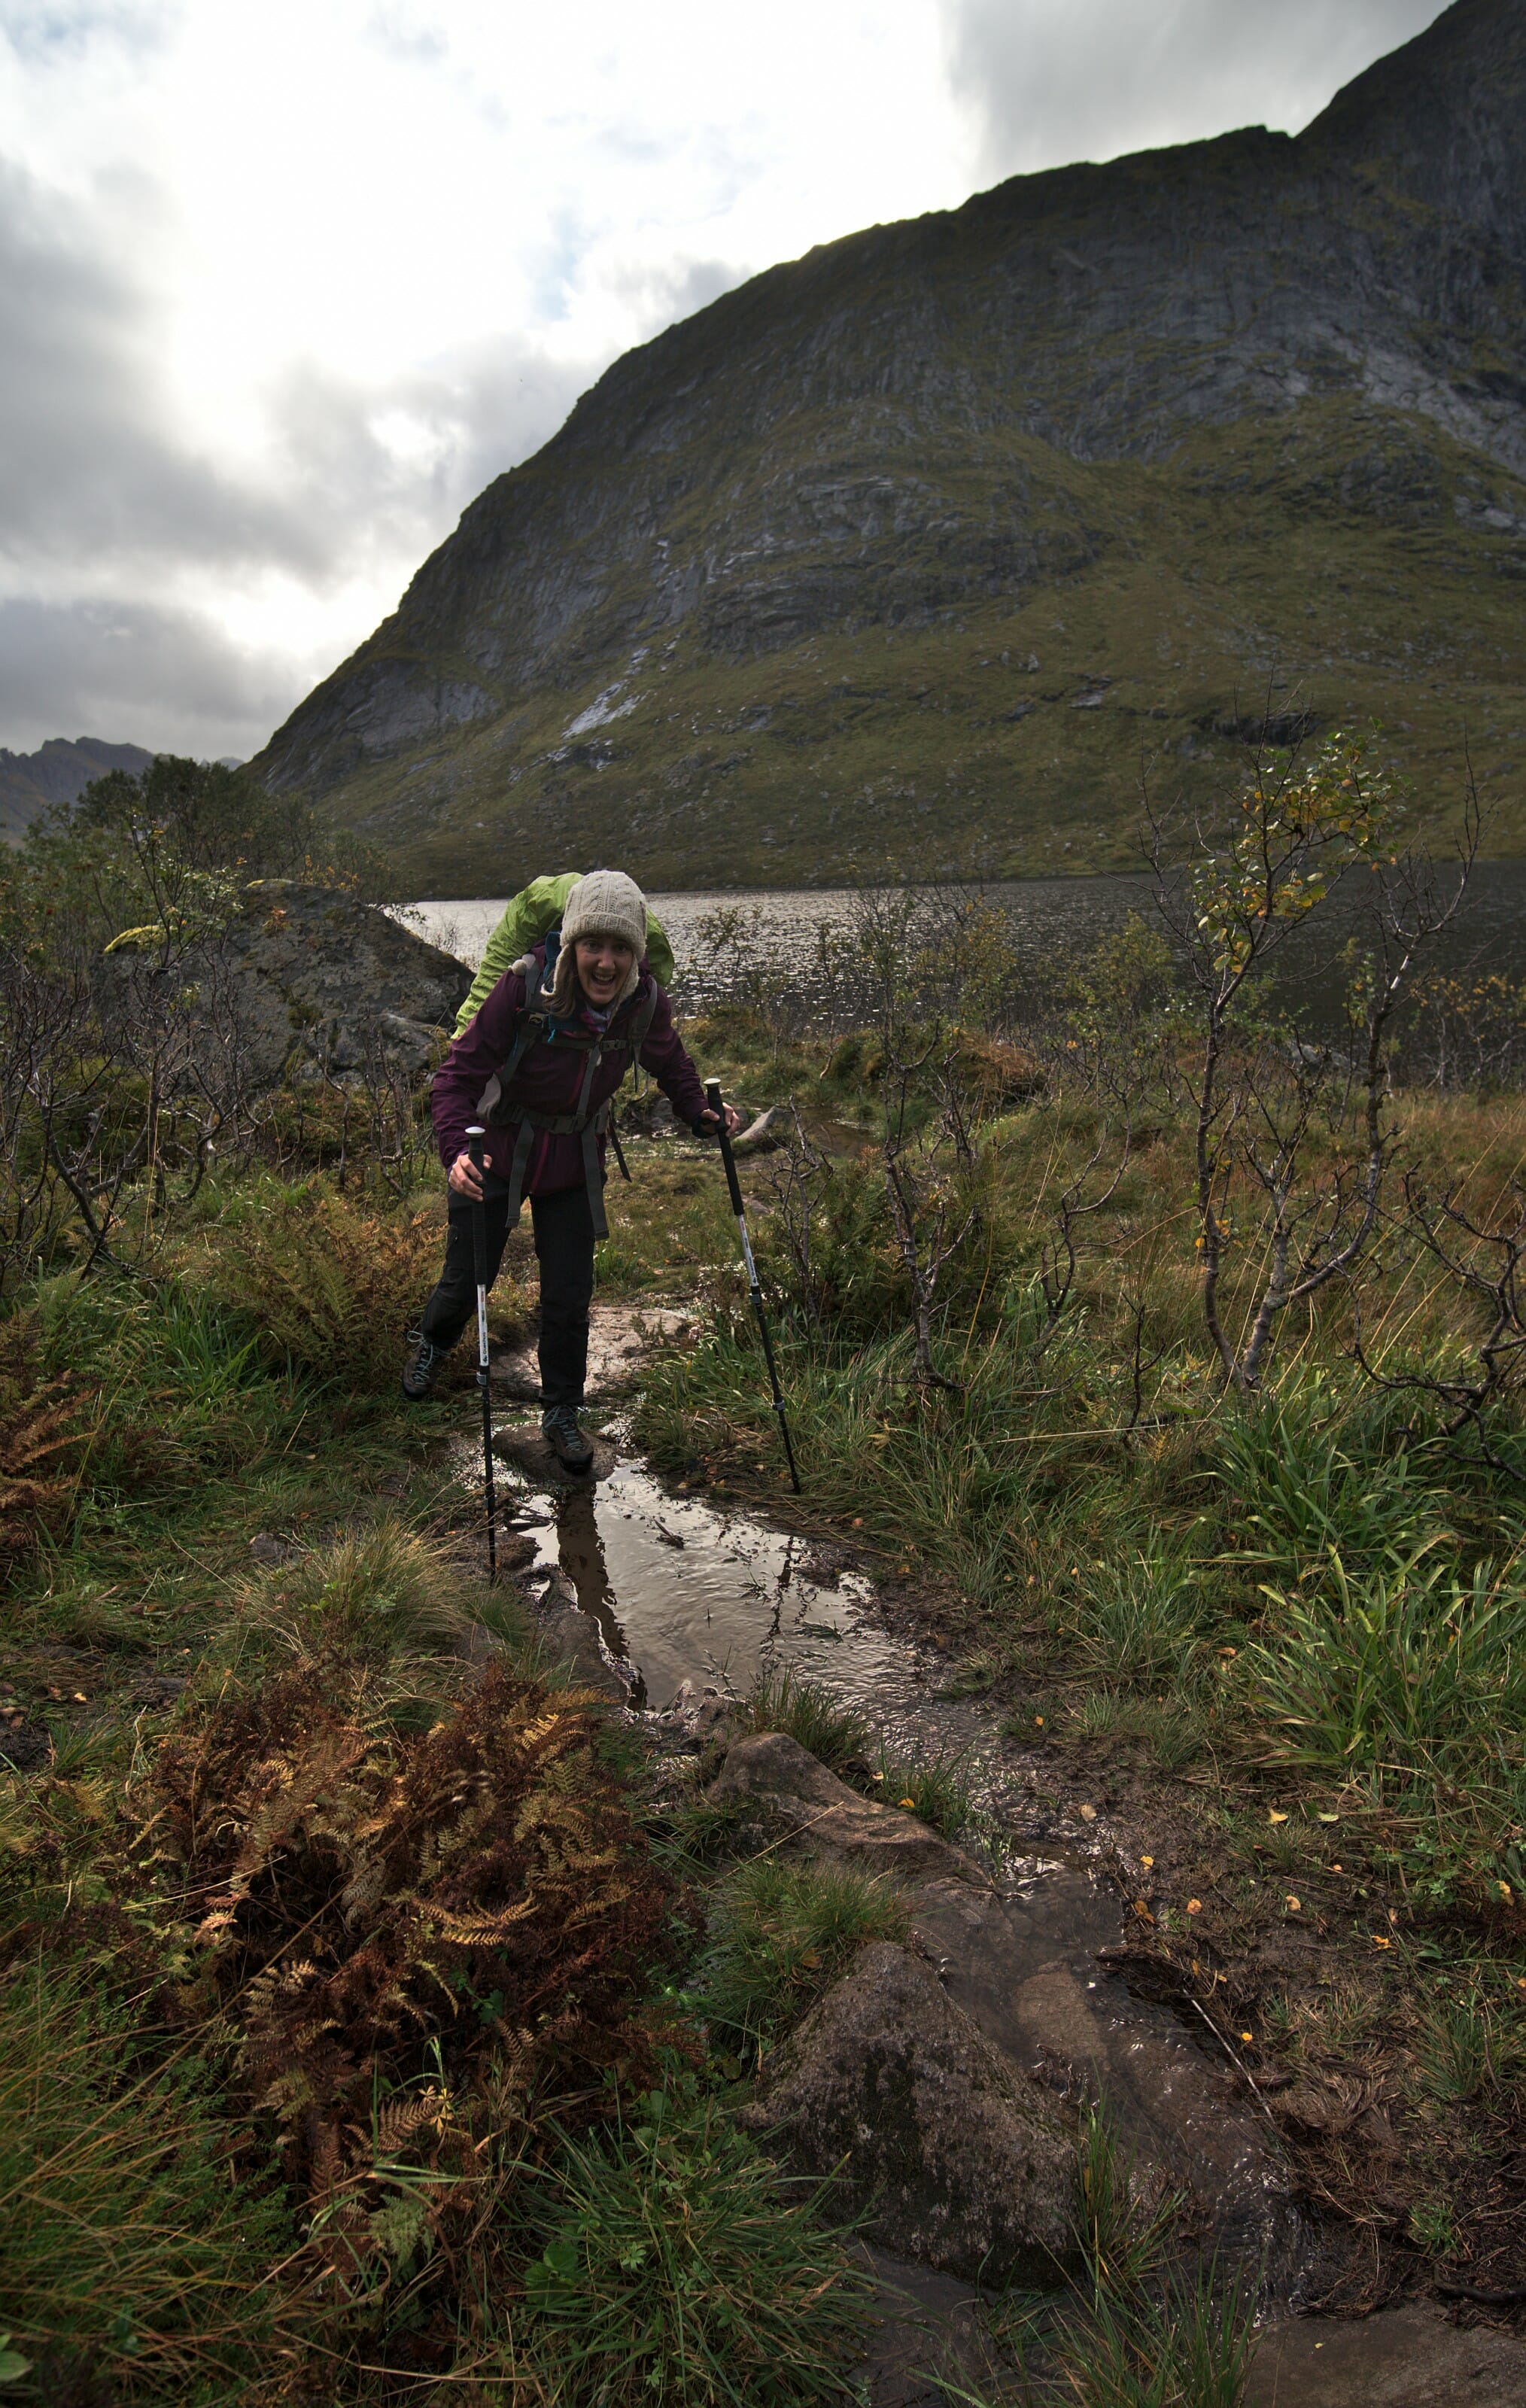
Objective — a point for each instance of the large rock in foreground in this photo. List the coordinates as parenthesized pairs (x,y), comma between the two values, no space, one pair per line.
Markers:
(955,2157)
(308,982)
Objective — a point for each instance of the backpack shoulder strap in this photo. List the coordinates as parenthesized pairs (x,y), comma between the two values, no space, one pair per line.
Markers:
(635,1034)
(529,1026)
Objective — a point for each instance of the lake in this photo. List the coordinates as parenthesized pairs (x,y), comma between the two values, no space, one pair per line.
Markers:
(1054,921)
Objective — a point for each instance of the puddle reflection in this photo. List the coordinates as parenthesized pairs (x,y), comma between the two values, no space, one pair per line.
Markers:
(682,1591)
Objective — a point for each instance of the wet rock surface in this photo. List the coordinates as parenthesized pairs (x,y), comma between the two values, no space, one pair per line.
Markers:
(926,2333)
(956,2159)
(523,1447)
(1023,1961)
(1026,1965)
(792,1792)
(1405,2357)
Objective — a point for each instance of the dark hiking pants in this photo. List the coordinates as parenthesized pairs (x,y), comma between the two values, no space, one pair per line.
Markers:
(563,1227)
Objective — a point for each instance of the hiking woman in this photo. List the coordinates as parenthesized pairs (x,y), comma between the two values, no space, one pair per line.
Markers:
(538,1067)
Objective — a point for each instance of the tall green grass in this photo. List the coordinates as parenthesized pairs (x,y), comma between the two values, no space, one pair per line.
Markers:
(140,2238)
(674,2273)
(1402,1671)
(779,1934)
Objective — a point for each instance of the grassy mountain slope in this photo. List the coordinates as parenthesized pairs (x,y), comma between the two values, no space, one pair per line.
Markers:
(919,549)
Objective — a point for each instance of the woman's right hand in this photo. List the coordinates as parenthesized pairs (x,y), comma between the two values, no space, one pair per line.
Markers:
(465,1178)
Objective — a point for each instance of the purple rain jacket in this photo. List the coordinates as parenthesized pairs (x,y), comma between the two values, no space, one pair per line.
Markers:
(549,1080)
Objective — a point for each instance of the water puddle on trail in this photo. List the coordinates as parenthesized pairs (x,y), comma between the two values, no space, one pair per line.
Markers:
(684,1590)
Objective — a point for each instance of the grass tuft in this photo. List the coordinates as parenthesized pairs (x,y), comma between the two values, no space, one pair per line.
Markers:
(780,1935)
(673,2271)
(837,1734)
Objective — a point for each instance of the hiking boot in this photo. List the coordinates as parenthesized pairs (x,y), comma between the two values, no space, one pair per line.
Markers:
(559,1425)
(422,1367)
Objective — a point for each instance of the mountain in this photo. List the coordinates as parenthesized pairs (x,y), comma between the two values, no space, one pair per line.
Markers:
(913,550)
(57,772)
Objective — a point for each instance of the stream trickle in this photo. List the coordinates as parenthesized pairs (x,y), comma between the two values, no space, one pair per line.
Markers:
(685,1589)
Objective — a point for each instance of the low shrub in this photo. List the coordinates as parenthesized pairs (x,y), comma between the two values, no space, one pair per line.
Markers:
(332,1285)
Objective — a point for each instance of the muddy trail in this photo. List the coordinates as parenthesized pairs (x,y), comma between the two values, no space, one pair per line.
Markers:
(676,1603)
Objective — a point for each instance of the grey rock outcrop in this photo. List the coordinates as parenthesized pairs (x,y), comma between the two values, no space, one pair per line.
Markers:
(954,2157)
(306,981)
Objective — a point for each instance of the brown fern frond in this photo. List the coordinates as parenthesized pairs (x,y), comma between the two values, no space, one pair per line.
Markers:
(402,2118)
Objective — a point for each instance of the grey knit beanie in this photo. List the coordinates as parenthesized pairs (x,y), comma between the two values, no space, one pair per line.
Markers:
(607,903)
(603,903)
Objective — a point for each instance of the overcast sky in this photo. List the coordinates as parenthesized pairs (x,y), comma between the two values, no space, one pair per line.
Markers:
(284,283)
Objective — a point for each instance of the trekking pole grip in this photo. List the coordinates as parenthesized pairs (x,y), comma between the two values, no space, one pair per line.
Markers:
(712,1096)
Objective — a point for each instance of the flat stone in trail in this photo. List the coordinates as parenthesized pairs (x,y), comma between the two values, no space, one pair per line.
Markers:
(522,1445)
(1403,2357)
(790,1786)
(1023,1964)
(955,2157)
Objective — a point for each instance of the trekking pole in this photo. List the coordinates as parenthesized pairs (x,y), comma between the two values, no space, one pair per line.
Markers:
(712,1096)
(479,1250)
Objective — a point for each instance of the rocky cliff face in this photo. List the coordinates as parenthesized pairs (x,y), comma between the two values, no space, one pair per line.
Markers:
(914,546)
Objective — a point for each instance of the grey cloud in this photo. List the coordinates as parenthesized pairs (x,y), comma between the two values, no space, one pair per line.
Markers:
(662,295)
(1049,81)
(101,493)
(135,673)
(91,467)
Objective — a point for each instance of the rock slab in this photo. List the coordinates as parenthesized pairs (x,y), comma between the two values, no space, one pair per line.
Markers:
(792,1789)
(953,2155)
(1404,2357)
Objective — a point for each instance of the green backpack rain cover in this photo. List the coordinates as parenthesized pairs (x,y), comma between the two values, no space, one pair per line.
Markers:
(534,910)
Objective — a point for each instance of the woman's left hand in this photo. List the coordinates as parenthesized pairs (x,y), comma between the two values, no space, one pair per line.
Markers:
(709,1122)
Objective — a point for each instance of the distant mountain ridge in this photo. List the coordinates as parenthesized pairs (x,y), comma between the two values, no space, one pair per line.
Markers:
(58,772)
(915,549)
